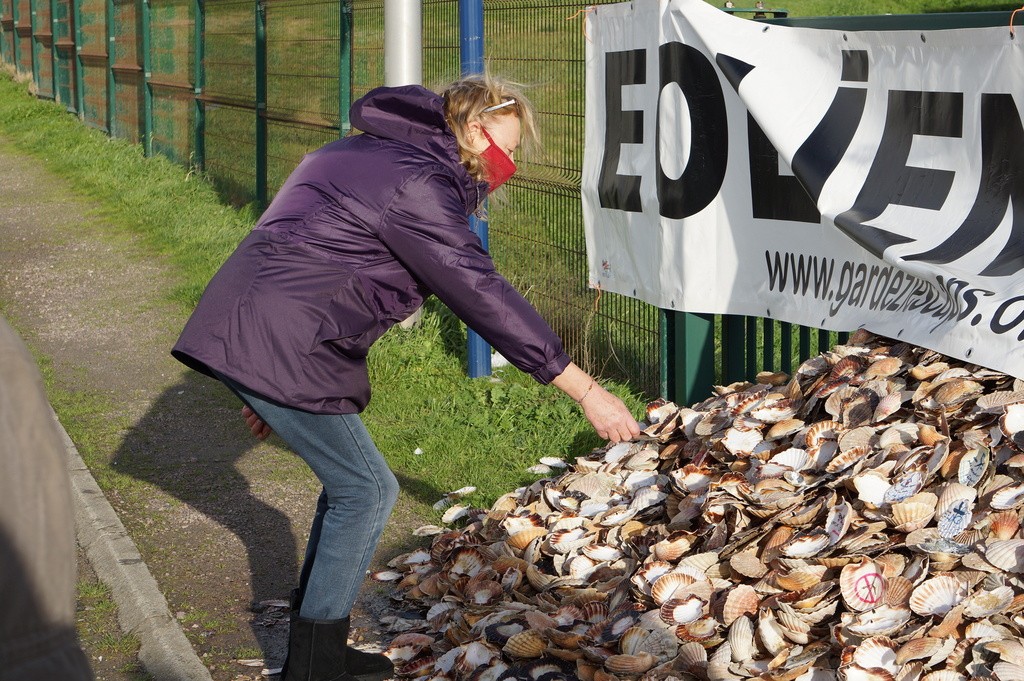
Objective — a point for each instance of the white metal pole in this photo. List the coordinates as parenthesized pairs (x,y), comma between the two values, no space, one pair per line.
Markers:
(403,42)
(403,62)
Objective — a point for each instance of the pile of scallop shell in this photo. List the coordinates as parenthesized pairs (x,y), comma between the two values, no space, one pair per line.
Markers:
(858,520)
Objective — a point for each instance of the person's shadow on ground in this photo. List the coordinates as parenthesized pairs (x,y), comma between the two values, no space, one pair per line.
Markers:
(193,443)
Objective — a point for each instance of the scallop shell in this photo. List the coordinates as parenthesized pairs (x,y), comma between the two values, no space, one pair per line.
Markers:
(522,539)
(806,544)
(682,610)
(953,492)
(665,586)
(748,564)
(973,466)
(906,485)
(955,519)
(630,664)
(897,591)
(1011,423)
(1006,554)
(1009,497)
(914,513)
(467,560)
(877,652)
(986,603)
(1004,524)
(699,630)
(862,585)
(882,621)
(741,639)
(937,596)
(526,644)
(1008,671)
(563,541)
(871,487)
(741,600)
(783,428)
(838,521)
(672,547)
(801,578)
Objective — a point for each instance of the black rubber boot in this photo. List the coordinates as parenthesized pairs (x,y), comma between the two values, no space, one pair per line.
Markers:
(316,650)
(362,665)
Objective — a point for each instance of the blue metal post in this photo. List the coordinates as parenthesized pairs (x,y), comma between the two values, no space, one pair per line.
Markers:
(471,52)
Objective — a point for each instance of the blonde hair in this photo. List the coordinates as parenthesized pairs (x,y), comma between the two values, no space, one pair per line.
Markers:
(465,101)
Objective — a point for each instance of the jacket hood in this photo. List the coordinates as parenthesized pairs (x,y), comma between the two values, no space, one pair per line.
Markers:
(410,114)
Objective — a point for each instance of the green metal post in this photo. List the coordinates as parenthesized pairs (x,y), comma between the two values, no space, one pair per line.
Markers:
(54,57)
(147,89)
(805,343)
(15,40)
(199,79)
(768,345)
(732,348)
(688,355)
(750,353)
(111,38)
(261,103)
(76,11)
(345,68)
(32,42)
(786,341)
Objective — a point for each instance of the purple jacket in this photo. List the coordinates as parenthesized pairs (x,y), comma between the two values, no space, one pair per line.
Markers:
(361,232)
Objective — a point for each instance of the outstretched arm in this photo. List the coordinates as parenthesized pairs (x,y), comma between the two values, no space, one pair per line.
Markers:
(606,412)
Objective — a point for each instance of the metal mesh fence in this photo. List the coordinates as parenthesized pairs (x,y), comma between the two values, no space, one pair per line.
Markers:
(172,64)
(367,46)
(6,31)
(64,41)
(23,36)
(229,64)
(304,97)
(42,48)
(537,236)
(126,68)
(440,42)
(92,54)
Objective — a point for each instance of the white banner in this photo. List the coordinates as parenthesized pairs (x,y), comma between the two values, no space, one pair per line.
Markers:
(708,135)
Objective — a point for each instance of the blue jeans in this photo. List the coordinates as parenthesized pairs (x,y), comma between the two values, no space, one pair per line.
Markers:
(359,491)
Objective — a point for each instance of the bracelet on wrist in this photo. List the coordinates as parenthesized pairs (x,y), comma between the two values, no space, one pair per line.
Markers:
(586,392)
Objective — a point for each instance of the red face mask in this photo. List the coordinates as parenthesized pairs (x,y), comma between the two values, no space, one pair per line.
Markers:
(499,166)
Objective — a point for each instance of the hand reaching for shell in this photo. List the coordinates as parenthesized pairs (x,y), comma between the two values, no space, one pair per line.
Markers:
(610,417)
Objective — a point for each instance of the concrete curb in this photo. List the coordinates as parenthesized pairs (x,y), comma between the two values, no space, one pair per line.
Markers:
(142,609)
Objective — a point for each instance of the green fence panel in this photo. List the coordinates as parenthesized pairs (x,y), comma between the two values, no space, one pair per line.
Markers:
(537,236)
(6,32)
(303,62)
(229,97)
(441,63)
(23,36)
(91,29)
(368,46)
(64,54)
(42,48)
(172,65)
(129,95)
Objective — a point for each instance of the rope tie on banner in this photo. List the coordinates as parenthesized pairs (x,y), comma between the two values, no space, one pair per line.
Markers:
(585,11)
(1012,15)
